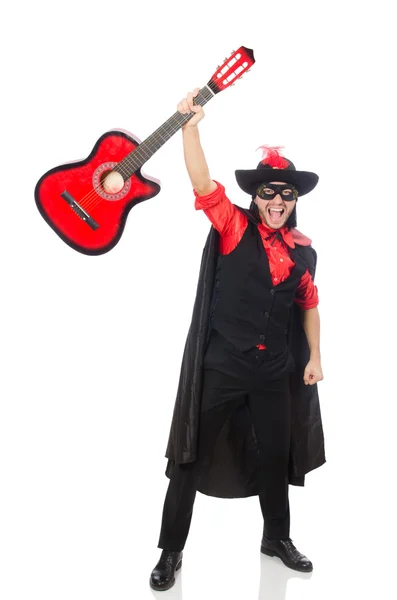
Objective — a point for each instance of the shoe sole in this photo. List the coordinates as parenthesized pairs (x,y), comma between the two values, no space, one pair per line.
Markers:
(271,553)
(164,588)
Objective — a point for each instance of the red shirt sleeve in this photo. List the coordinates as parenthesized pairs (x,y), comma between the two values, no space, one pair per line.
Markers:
(227,219)
(306,293)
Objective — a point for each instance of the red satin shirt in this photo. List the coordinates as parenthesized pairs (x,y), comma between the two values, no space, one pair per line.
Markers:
(231,224)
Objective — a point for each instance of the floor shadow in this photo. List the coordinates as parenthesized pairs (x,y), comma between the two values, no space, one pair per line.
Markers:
(274,578)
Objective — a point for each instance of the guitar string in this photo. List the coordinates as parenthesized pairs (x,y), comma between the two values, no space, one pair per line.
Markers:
(92,198)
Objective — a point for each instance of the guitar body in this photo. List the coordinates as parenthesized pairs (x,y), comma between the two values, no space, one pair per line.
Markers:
(83,181)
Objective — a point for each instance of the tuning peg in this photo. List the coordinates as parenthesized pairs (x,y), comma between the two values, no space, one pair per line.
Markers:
(233,51)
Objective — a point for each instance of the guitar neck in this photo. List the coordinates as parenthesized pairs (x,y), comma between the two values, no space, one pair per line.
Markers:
(133,161)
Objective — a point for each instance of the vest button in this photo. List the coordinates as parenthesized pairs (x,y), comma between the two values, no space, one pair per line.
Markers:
(272,291)
(262,337)
(267,314)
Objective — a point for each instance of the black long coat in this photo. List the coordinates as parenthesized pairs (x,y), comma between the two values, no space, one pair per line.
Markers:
(230,475)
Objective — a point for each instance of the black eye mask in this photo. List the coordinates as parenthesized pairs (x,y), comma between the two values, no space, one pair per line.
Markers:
(267,191)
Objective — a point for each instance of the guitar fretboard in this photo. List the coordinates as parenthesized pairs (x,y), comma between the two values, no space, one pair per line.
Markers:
(133,161)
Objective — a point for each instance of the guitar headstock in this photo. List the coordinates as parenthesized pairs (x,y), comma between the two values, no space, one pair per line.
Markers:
(234,67)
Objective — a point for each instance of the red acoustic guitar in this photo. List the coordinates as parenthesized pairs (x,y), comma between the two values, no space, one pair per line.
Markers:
(87,202)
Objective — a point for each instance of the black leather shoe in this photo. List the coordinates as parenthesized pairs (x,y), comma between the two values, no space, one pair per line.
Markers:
(163,574)
(286,550)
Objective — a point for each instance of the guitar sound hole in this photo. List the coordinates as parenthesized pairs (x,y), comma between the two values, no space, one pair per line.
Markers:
(111,182)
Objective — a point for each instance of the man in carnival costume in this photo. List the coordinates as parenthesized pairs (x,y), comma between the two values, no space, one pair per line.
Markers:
(247,417)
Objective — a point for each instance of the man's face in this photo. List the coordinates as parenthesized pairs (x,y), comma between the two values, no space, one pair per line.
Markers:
(276,211)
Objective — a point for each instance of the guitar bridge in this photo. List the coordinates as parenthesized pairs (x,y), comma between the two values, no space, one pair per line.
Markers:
(79,210)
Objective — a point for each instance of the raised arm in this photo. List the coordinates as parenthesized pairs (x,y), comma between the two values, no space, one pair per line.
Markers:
(227,219)
(194,156)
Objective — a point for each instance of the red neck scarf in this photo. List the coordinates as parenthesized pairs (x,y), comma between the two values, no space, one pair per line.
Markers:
(289,236)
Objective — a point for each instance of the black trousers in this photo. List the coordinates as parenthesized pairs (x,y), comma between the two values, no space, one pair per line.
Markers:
(226,387)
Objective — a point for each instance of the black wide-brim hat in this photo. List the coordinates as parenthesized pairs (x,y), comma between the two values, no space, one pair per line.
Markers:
(250,179)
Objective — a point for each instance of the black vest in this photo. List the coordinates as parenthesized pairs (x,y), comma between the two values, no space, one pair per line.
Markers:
(247,309)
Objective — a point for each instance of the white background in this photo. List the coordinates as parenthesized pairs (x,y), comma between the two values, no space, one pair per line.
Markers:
(91,346)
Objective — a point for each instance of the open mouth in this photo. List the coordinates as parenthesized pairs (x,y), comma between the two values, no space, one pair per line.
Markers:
(275,214)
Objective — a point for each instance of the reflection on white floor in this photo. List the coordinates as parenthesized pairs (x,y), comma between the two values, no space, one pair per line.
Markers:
(274,576)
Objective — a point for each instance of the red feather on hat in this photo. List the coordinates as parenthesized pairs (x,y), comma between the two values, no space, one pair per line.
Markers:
(272,157)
